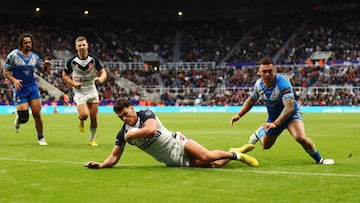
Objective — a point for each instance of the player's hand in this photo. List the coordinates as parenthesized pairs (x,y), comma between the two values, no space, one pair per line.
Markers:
(268,126)
(98,80)
(92,165)
(130,134)
(127,136)
(46,66)
(17,84)
(77,85)
(234,119)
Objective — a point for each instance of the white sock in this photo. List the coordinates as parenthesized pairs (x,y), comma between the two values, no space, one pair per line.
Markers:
(92,133)
(253,139)
(238,156)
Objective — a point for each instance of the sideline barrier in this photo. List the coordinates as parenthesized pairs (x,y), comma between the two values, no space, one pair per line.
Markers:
(189,109)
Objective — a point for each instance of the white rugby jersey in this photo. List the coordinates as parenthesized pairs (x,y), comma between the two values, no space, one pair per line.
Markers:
(164,146)
(83,70)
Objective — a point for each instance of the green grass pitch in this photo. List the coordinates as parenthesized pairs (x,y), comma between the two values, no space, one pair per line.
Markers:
(55,173)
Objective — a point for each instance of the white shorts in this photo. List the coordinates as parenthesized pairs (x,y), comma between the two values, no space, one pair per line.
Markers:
(178,156)
(81,97)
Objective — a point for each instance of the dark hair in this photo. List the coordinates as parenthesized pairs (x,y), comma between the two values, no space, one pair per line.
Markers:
(266,61)
(22,36)
(120,104)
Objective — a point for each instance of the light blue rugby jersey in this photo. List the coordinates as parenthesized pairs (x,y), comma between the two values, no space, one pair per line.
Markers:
(22,67)
(274,95)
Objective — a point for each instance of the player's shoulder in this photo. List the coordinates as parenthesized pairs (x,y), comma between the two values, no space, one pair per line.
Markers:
(13,52)
(281,79)
(257,83)
(96,60)
(145,112)
(34,54)
(282,82)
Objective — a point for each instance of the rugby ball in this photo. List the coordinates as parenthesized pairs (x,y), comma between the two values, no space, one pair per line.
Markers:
(131,130)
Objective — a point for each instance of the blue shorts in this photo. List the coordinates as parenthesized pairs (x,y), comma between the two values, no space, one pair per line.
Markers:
(277,131)
(26,94)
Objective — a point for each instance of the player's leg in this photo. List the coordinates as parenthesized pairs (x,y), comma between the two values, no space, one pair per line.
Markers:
(22,114)
(266,138)
(297,130)
(268,141)
(80,99)
(93,108)
(83,112)
(257,135)
(253,139)
(35,105)
(22,108)
(202,157)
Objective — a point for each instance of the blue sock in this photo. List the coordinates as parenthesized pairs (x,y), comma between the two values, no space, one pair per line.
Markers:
(260,133)
(315,155)
(40,137)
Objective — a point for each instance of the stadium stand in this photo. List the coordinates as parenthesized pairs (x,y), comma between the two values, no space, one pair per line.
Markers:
(204,62)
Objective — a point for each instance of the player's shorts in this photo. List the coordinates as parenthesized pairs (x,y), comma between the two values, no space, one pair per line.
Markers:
(26,94)
(277,131)
(86,97)
(178,157)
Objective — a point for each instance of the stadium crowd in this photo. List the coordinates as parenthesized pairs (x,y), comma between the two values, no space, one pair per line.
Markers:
(234,46)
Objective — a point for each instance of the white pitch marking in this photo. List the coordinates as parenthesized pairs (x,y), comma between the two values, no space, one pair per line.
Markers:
(219,169)
(41,161)
(296,173)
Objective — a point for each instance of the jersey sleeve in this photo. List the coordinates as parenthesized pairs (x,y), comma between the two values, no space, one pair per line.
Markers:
(145,115)
(285,88)
(120,139)
(68,67)
(98,66)
(39,63)
(254,95)
(9,61)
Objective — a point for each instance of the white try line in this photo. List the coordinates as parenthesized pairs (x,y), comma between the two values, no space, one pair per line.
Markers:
(42,161)
(218,169)
(297,173)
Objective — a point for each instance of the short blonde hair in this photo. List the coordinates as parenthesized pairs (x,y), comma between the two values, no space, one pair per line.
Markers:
(80,38)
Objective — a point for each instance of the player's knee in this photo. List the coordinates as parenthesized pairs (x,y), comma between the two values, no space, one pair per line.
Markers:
(23,116)
(267,145)
(83,117)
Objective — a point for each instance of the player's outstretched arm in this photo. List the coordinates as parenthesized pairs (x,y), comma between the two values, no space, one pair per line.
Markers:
(245,108)
(110,161)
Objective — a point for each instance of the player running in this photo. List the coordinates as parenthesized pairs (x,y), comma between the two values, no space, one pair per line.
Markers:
(19,69)
(283,112)
(82,71)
